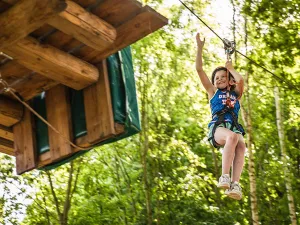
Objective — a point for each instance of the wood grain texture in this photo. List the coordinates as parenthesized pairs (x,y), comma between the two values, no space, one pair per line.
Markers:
(84,26)
(98,108)
(26,16)
(53,63)
(25,144)
(59,116)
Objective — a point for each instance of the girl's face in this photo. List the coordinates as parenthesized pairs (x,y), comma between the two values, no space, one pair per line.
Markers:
(221,80)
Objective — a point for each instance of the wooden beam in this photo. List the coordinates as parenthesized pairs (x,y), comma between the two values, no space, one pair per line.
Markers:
(53,63)
(98,108)
(84,26)
(135,29)
(26,16)
(7,147)
(27,83)
(25,143)
(11,112)
(6,133)
(59,116)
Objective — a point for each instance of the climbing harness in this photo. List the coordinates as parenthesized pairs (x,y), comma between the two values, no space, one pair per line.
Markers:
(220,120)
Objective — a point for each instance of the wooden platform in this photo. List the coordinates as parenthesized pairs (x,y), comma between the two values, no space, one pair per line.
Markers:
(57,42)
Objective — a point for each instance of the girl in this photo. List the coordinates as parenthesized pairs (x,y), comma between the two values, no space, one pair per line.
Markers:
(224,90)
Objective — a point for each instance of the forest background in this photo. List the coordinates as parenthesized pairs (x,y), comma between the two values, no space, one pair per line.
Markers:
(167,173)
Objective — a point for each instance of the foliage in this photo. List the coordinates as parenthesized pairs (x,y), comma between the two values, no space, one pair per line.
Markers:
(176,183)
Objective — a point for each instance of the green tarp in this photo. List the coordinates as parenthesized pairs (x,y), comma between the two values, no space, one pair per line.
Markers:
(124,102)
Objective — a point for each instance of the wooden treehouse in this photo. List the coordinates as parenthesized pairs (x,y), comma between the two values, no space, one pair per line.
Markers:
(70,62)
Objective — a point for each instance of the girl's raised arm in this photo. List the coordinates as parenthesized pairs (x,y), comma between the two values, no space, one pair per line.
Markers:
(237,77)
(199,67)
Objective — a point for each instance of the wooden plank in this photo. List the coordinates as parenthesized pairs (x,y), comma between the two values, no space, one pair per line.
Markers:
(25,144)
(98,108)
(7,147)
(11,112)
(84,26)
(53,63)
(26,16)
(117,12)
(59,116)
(6,133)
(45,158)
(135,29)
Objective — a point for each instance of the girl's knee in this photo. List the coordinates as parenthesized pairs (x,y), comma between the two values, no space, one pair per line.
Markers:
(232,138)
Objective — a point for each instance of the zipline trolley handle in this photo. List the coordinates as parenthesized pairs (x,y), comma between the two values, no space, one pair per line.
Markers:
(229,47)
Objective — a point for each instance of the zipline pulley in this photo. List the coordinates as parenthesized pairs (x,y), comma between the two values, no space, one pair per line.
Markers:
(229,47)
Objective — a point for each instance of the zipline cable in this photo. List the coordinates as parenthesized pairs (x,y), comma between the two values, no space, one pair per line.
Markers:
(292,86)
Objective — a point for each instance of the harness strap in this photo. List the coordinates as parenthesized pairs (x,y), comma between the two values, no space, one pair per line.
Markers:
(221,120)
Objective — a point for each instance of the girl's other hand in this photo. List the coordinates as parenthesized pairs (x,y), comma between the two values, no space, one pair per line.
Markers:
(199,42)
(229,65)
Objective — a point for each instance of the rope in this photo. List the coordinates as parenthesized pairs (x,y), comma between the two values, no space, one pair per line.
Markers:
(6,56)
(13,92)
(292,86)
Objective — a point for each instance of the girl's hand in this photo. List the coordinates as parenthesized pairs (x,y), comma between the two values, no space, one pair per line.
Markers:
(229,65)
(200,43)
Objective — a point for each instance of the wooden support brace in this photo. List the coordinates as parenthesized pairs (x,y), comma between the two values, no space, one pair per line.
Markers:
(59,116)
(25,144)
(53,63)
(98,108)
(11,112)
(26,16)
(84,26)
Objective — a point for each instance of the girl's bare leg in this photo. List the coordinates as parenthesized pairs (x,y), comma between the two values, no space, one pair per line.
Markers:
(239,159)
(229,139)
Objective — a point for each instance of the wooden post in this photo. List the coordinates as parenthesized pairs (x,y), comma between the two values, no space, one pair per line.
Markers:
(59,116)
(25,144)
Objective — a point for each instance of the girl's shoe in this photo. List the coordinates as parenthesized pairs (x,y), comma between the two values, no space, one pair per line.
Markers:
(224,182)
(235,191)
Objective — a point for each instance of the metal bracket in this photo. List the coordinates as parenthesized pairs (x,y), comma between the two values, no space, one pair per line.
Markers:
(229,47)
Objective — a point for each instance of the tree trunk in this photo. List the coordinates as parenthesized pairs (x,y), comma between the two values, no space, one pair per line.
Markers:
(71,186)
(251,164)
(144,149)
(287,178)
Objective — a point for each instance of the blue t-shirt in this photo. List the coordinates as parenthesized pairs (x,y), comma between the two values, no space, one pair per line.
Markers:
(217,103)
